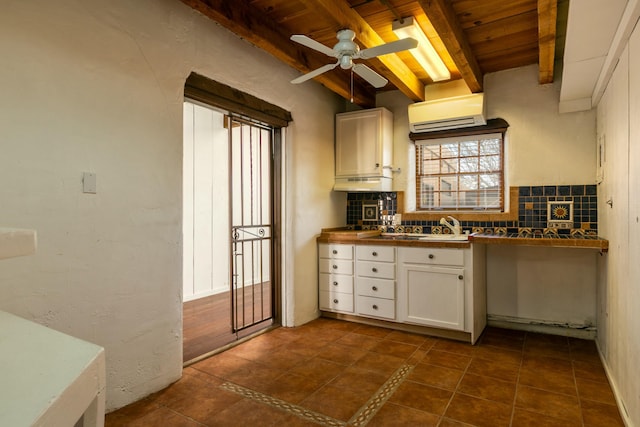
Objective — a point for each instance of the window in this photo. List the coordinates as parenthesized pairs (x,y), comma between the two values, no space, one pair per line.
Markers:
(460,173)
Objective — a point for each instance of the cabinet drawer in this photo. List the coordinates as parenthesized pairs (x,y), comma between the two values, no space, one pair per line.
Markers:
(339,266)
(433,256)
(377,307)
(335,251)
(379,288)
(336,301)
(376,253)
(381,270)
(336,283)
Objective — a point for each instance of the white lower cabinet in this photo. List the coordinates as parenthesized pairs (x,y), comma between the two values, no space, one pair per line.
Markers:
(376,281)
(443,288)
(436,287)
(434,296)
(335,279)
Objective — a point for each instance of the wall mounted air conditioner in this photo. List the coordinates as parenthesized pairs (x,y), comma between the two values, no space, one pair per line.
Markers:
(447,113)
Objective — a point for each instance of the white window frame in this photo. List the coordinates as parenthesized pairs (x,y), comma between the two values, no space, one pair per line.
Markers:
(438,177)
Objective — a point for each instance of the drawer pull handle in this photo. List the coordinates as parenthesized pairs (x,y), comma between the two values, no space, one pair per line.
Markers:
(461,277)
(335,301)
(335,267)
(374,253)
(431,256)
(375,307)
(375,288)
(335,252)
(335,283)
(375,270)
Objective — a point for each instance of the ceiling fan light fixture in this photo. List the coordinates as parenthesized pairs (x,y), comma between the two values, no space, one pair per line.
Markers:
(425,53)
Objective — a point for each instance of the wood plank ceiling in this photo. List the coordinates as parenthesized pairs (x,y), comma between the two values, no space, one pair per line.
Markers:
(473,37)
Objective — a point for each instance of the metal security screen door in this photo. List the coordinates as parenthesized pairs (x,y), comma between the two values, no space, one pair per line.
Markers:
(251,212)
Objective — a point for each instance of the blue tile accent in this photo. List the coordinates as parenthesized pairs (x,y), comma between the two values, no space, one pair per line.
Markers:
(577,190)
(584,197)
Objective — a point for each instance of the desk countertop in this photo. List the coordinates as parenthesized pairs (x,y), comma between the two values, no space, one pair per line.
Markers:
(48,378)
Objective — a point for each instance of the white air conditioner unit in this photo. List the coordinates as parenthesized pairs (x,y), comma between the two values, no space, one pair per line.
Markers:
(447,113)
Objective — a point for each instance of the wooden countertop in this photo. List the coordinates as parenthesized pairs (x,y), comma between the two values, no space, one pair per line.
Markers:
(585,243)
(372,237)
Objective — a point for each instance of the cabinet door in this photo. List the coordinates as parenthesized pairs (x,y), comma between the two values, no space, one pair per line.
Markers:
(434,296)
(358,143)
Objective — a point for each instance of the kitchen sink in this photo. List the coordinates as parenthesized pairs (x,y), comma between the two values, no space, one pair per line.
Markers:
(445,237)
(427,237)
(398,236)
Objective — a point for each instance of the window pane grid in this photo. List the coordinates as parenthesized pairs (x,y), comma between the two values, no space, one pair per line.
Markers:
(460,175)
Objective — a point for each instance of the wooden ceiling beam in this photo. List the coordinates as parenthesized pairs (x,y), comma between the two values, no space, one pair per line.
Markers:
(252,25)
(443,19)
(390,66)
(547,15)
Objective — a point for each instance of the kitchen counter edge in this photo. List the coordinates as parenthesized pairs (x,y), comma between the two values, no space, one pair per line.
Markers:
(370,239)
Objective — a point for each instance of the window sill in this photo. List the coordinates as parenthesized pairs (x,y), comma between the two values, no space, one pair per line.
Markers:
(467,215)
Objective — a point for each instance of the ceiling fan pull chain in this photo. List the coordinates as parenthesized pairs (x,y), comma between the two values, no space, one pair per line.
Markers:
(351,85)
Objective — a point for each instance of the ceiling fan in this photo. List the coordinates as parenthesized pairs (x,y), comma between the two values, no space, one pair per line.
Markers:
(346,50)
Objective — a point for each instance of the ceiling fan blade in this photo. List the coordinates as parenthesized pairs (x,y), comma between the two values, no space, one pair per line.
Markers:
(311,43)
(387,48)
(375,79)
(314,73)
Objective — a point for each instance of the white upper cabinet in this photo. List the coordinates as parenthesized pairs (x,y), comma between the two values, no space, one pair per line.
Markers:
(364,143)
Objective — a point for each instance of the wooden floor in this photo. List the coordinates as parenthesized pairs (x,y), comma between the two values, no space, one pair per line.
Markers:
(206,322)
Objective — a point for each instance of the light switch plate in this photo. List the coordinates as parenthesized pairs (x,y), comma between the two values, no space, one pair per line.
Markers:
(89,182)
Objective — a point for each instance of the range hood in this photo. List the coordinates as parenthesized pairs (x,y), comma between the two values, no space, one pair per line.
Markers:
(363,183)
(447,113)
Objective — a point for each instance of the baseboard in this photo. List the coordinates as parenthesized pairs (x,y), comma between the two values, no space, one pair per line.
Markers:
(405,327)
(614,387)
(209,293)
(541,326)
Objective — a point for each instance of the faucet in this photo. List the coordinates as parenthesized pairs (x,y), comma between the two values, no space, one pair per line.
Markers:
(455,228)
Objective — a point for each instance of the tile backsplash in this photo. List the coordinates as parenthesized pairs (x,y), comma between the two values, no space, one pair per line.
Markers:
(375,210)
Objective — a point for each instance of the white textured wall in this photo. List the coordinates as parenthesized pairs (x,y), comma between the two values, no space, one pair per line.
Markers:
(403,149)
(550,286)
(205,195)
(619,271)
(544,147)
(98,86)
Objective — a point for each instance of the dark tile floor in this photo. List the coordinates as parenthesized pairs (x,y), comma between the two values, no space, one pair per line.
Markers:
(336,373)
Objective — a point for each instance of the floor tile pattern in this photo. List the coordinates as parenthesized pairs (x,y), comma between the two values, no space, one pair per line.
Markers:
(334,373)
